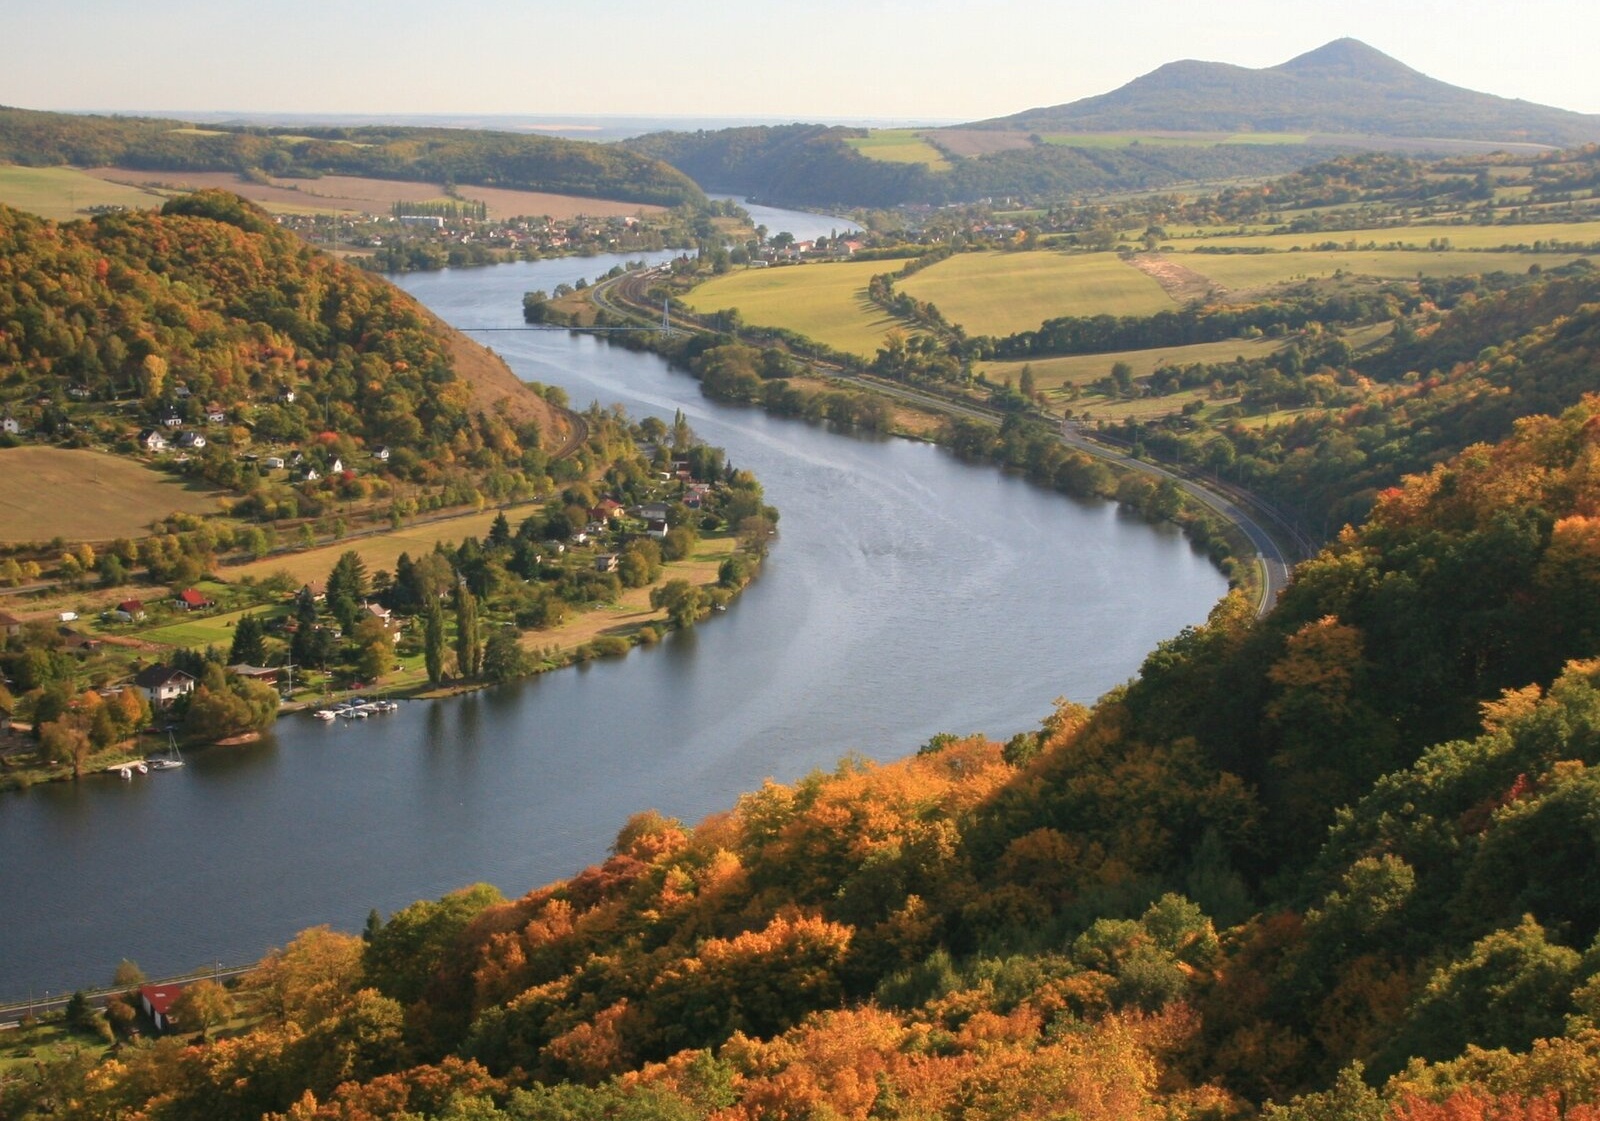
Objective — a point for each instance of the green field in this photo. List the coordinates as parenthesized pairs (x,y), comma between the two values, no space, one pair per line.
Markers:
(899,145)
(1459,237)
(826,302)
(1168,139)
(1079,369)
(1002,293)
(1253,271)
(88,496)
(212,630)
(63,193)
(379,552)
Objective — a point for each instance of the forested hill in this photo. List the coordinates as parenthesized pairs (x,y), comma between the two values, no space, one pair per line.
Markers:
(1347,851)
(1342,87)
(813,165)
(434,155)
(207,303)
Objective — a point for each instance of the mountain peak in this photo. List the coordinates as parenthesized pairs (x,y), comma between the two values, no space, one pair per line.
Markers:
(1347,58)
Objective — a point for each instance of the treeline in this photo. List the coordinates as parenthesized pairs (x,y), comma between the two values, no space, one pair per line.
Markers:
(434,155)
(1105,334)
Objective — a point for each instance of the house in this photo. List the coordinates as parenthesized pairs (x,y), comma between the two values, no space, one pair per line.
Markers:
(264,674)
(151,440)
(381,453)
(607,562)
(79,392)
(191,600)
(10,625)
(336,466)
(653,511)
(310,475)
(657,528)
(286,394)
(215,414)
(172,420)
(128,611)
(378,612)
(157,1002)
(191,440)
(9,425)
(77,642)
(161,685)
(182,392)
(273,463)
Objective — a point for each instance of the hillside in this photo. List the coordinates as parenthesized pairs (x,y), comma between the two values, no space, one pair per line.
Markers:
(207,310)
(433,155)
(1342,87)
(1345,852)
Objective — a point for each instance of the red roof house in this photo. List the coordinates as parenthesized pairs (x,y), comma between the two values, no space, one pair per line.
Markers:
(157,1002)
(191,600)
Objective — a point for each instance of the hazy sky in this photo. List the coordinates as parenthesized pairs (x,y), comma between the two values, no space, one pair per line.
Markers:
(960,59)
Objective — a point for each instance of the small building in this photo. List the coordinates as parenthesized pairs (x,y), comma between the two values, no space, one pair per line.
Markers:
(10,625)
(161,685)
(191,440)
(607,562)
(216,414)
(157,1002)
(10,425)
(77,642)
(286,394)
(172,420)
(273,463)
(267,675)
(79,392)
(657,528)
(128,611)
(191,599)
(336,466)
(381,453)
(151,440)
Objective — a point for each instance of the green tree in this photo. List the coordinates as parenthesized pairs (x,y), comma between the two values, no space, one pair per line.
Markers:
(433,642)
(249,643)
(202,1006)
(469,645)
(503,659)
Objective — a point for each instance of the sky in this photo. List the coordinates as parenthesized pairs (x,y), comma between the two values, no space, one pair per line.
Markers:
(788,59)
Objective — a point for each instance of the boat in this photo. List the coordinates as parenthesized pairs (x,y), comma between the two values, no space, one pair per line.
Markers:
(171,760)
(126,773)
(325,714)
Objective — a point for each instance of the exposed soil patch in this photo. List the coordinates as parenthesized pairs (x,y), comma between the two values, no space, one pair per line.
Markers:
(1179,281)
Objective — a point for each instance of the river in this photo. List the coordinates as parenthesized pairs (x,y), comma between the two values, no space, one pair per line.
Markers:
(908,594)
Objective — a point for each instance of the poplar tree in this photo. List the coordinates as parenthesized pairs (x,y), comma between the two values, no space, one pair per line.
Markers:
(469,646)
(433,643)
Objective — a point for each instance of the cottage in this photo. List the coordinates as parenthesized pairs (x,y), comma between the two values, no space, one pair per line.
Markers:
(161,685)
(151,440)
(378,612)
(310,475)
(157,1002)
(79,392)
(286,394)
(172,420)
(191,440)
(607,562)
(657,528)
(10,625)
(336,466)
(191,600)
(273,463)
(653,511)
(77,642)
(381,453)
(267,675)
(128,611)
(9,425)
(215,414)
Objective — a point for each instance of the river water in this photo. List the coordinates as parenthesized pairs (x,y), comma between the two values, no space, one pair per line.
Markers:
(908,594)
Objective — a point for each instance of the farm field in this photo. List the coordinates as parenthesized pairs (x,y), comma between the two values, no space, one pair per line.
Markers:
(1243,272)
(350,194)
(1169,139)
(64,193)
(88,496)
(1002,293)
(899,145)
(1459,237)
(379,551)
(823,302)
(1050,374)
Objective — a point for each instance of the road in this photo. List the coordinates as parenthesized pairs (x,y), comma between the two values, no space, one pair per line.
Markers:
(56,1002)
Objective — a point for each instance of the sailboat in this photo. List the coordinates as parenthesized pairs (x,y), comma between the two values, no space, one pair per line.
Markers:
(171,760)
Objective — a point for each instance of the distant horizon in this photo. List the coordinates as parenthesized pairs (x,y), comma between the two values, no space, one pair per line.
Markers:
(832,60)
